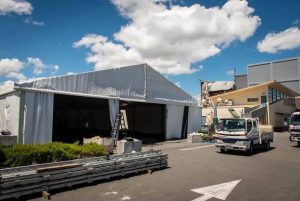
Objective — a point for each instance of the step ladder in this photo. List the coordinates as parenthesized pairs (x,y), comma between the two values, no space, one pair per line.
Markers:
(119,124)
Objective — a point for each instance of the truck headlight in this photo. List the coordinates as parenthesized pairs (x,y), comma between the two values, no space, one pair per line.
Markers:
(219,141)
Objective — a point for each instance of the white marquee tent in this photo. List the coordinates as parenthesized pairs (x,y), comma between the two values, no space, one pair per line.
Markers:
(26,109)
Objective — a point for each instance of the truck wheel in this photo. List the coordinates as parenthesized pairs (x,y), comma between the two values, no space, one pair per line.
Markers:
(250,150)
(222,150)
(268,146)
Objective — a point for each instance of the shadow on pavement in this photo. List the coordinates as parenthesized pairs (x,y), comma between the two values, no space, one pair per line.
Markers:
(242,153)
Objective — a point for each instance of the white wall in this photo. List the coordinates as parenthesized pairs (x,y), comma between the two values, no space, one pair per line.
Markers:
(174,121)
(9,112)
(194,119)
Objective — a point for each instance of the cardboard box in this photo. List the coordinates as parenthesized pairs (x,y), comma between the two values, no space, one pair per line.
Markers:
(124,146)
(194,138)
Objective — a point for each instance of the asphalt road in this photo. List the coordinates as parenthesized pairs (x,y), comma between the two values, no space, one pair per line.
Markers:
(272,175)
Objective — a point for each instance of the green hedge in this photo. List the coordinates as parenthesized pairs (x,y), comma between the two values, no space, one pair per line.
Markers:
(20,155)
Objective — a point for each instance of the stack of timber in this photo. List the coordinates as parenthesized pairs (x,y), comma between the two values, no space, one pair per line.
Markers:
(25,180)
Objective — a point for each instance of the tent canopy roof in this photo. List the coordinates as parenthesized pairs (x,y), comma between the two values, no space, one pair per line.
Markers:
(132,83)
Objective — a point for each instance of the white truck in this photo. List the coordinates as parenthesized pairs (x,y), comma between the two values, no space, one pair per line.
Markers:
(295,128)
(242,134)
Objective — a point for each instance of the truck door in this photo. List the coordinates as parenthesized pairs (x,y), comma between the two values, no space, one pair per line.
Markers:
(256,124)
(255,132)
(252,134)
(249,128)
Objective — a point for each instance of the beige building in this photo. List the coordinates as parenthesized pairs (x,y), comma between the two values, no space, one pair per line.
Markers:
(271,102)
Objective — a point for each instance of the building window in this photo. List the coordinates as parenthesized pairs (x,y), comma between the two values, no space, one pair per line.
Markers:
(275,95)
(281,95)
(252,99)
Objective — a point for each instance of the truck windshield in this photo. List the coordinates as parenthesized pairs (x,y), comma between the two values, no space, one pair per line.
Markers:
(232,125)
(295,120)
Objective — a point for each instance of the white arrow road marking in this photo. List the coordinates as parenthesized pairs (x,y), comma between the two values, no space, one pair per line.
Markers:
(220,191)
(203,198)
(187,149)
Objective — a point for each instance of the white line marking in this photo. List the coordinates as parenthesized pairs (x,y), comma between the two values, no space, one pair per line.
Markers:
(220,191)
(187,149)
(203,198)
(111,193)
(126,197)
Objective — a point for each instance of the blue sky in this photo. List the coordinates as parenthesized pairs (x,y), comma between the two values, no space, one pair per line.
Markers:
(47,31)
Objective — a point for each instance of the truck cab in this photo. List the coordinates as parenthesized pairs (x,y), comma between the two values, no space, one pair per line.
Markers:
(294,128)
(241,134)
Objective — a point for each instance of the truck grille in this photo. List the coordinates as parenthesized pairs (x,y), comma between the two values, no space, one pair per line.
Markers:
(230,141)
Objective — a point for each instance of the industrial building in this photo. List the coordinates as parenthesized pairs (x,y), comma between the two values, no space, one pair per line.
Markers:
(70,107)
(284,71)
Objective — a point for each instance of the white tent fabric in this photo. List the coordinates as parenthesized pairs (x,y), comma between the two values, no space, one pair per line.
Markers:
(113,110)
(3,114)
(9,112)
(194,119)
(174,121)
(38,117)
(139,83)
(12,112)
(135,83)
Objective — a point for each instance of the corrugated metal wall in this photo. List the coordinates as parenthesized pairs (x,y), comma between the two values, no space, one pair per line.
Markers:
(241,81)
(259,73)
(285,72)
(292,85)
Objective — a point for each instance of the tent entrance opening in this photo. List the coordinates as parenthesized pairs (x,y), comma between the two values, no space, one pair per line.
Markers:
(144,121)
(76,117)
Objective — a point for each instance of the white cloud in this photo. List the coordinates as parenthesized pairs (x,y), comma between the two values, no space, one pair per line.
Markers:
(38,65)
(5,84)
(70,73)
(55,67)
(170,38)
(230,72)
(284,40)
(20,7)
(11,68)
(33,22)
(105,54)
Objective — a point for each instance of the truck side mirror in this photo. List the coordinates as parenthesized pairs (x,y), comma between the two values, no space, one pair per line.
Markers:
(289,120)
(249,125)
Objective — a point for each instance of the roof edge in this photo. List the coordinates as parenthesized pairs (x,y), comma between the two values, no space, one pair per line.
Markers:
(256,86)
(274,61)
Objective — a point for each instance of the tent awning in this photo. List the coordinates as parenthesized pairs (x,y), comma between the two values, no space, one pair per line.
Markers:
(139,83)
